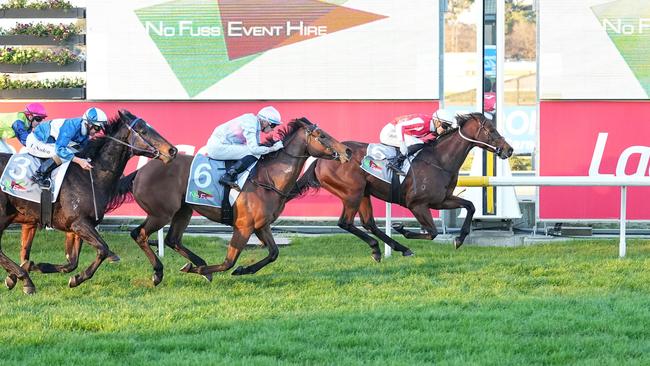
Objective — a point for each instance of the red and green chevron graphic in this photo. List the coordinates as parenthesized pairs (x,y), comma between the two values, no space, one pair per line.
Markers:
(627,23)
(203,41)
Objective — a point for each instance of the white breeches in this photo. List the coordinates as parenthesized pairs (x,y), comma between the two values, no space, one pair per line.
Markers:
(39,148)
(390,135)
(227,152)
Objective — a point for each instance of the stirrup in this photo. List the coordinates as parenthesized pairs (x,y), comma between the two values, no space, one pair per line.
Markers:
(395,169)
(42,182)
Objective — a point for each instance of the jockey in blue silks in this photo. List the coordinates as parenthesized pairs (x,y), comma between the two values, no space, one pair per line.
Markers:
(51,140)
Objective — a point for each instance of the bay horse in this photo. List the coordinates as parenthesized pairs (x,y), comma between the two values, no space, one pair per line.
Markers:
(77,210)
(160,192)
(429,184)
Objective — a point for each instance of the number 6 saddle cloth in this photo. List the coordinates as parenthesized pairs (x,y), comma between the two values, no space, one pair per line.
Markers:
(16,179)
(203,186)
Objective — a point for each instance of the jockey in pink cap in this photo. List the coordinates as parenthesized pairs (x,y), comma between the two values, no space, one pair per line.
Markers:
(20,124)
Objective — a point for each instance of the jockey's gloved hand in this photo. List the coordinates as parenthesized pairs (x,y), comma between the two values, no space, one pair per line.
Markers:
(277,146)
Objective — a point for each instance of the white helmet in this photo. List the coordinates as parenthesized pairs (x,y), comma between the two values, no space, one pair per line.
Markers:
(95,116)
(446,116)
(270,114)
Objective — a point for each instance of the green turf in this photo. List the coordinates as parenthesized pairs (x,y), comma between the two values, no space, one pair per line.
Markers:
(325,302)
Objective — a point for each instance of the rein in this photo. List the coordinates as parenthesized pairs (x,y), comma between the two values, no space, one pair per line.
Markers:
(477,142)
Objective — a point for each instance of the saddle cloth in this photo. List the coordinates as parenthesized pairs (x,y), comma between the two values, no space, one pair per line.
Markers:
(375,162)
(203,186)
(16,178)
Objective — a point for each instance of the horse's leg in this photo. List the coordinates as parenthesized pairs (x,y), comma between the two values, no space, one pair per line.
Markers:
(368,222)
(72,249)
(237,243)
(346,222)
(141,235)
(174,236)
(12,268)
(26,238)
(86,231)
(457,202)
(266,237)
(423,216)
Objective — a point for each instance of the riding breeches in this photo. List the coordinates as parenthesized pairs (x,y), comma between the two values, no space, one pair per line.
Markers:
(5,148)
(227,152)
(39,148)
(390,136)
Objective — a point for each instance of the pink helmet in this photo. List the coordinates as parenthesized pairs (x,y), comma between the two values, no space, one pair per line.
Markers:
(35,109)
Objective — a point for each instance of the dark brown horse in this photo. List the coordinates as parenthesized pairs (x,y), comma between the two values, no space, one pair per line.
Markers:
(160,191)
(429,184)
(75,211)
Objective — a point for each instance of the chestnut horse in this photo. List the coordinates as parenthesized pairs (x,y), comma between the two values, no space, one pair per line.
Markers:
(428,185)
(160,192)
(76,211)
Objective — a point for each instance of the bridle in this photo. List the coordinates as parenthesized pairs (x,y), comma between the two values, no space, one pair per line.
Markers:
(151,149)
(475,140)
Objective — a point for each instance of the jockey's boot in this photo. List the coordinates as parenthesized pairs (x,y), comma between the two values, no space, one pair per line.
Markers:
(395,164)
(42,175)
(230,178)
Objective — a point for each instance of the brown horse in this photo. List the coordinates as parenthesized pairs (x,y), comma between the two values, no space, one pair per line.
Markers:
(160,191)
(76,211)
(429,184)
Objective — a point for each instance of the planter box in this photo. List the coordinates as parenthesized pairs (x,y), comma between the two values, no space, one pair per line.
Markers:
(45,13)
(53,93)
(43,67)
(26,40)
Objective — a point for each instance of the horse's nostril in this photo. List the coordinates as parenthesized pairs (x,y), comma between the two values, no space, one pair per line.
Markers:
(173,151)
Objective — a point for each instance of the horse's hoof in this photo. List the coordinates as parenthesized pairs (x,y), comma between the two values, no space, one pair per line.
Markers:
(408,253)
(157,278)
(398,226)
(187,268)
(457,243)
(114,258)
(376,257)
(208,277)
(74,281)
(10,282)
(29,290)
(241,270)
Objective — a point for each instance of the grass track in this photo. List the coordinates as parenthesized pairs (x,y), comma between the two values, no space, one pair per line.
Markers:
(325,302)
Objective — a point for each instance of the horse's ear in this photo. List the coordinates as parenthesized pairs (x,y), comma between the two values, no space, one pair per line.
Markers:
(125,115)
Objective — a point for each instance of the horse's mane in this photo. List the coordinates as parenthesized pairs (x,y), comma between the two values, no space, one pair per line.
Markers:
(288,131)
(95,145)
(461,119)
(117,196)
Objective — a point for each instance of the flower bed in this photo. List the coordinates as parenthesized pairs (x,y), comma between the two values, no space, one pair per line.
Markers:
(57,32)
(65,88)
(23,56)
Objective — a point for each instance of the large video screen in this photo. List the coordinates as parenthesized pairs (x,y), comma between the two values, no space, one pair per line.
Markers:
(262,49)
(594,49)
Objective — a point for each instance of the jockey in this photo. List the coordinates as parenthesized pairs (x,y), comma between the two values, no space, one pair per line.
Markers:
(20,124)
(52,139)
(410,132)
(239,139)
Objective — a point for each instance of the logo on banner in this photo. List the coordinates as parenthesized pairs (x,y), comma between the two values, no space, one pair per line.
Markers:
(627,23)
(643,152)
(203,41)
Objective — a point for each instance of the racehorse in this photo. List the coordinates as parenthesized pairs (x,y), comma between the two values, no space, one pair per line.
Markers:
(429,185)
(84,197)
(160,192)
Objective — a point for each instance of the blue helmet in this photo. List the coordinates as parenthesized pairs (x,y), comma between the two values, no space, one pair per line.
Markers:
(96,117)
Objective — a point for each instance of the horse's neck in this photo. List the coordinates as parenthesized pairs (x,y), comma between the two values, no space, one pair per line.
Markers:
(109,163)
(452,151)
(292,161)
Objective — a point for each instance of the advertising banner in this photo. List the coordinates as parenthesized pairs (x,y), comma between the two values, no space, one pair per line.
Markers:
(594,139)
(262,49)
(594,49)
(188,125)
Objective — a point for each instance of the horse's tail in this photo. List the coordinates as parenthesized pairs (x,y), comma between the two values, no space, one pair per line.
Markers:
(306,182)
(123,193)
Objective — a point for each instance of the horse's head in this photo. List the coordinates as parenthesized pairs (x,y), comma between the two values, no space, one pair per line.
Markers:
(479,130)
(145,140)
(321,144)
